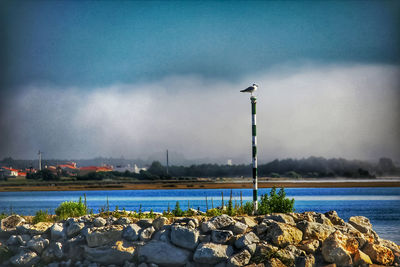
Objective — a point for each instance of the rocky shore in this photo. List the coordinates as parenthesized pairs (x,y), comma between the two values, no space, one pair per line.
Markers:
(293,239)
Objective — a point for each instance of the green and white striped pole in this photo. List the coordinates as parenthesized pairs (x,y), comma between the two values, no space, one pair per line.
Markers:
(253,100)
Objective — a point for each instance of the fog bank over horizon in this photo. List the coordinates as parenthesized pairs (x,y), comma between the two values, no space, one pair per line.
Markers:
(338,110)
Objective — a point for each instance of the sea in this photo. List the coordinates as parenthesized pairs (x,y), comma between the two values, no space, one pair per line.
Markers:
(380,205)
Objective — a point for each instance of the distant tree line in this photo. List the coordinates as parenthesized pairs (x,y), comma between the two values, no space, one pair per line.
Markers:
(312,167)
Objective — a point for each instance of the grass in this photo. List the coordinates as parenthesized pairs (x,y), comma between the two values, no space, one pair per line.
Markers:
(71,209)
(42,216)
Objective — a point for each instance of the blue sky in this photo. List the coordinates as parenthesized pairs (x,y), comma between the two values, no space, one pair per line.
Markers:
(81,79)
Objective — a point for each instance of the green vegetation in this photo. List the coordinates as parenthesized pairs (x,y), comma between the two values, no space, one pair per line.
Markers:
(177,212)
(71,209)
(42,216)
(275,203)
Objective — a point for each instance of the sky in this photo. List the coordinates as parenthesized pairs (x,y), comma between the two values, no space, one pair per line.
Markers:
(81,79)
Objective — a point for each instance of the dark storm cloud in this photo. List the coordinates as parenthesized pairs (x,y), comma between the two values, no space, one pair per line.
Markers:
(333,111)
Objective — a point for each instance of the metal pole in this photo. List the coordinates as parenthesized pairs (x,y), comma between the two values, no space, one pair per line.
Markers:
(253,100)
(167,163)
(40,160)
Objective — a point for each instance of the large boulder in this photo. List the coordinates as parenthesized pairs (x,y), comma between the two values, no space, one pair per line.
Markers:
(360,258)
(248,221)
(73,248)
(339,248)
(37,244)
(239,259)
(99,222)
(131,232)
(74,229)
(238,228)
(146,234)
(309,245)
(184,237)
(25,258)
(159,222)
(211,253)
(281,234)
(221,236)
(246,240)
(379,254)
(163,253)
(314,230)
(57,232)
(361,223)
(334,218)
(36,229)
(116,254)
(219,222)
(53,252)
(281,217)
(103,235)
(9,224)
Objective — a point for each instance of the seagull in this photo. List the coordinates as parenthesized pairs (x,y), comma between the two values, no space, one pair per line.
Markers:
(250,89)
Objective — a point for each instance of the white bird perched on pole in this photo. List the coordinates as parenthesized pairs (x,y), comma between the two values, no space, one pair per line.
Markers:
(250,89)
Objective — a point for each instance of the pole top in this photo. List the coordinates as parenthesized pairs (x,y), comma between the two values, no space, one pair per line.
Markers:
(253,98)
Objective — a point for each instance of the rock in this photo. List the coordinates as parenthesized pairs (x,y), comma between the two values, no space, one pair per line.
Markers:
(123,221)
(251,248)
(240,259)
(305,261)
(261,228)
(116,254)
(246,239)
(281,217)
(305,216)
(216,223)
(322,219)
(379,254)
(248,221)
(37,244)
(238,228)
(73,248)
(53,253)
(144,223)
(207,227)
(103,235)
(129,264)
(360,258)
(99,222)
(289,254)
(8,225)
(131,232)
(204,238)
(184,237)
(25,258)
(57,232)
(163,253)
(282,234)
(314,230)
(74,229)
(146,234)
(14,240)
(338,248)
(309,246)
(221,236)
(211,253)
(40,228)
(361,223)
(334,218)
(159,223)
(274,262)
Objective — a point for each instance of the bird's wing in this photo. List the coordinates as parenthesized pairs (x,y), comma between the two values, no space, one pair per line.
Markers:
(248,89)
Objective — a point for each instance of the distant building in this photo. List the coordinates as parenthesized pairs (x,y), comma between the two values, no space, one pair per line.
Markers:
(89,169)
(229,162)
(137,169)
(10,172)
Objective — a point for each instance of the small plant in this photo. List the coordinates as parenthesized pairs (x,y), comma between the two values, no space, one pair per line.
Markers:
(140,213)
(213,212)
(71,209)
(41,216)
(276,202)
(177,212)
(248,208)
(230,210)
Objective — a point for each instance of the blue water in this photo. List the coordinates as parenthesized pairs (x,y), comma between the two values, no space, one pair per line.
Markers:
(380,205)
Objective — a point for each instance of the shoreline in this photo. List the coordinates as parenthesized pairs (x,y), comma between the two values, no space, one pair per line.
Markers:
(198,185)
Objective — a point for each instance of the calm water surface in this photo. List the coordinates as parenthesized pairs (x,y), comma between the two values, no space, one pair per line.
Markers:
(380,205)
